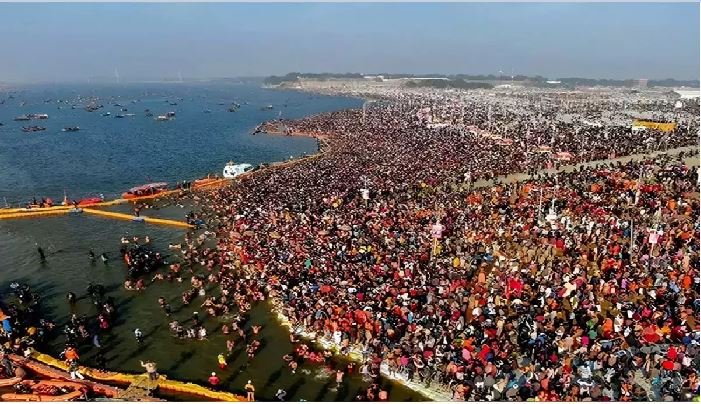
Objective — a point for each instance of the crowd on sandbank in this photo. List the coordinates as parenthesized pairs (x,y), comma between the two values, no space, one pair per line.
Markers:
(579,286)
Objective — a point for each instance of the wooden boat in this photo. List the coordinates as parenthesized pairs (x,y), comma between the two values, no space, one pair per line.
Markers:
(89,201)
(46,390)
(145,190)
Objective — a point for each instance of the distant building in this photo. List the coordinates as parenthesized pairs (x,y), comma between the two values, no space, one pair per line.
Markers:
(642,83)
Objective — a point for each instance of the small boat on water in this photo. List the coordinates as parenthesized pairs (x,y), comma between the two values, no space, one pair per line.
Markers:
(23,118)
(40,116)
(170,114)
(267,108)
(232,170)
(47,390)
(89,201)
(107,114)
(162,118)
(71,129)
(146,190)
(119,116)
(33,128)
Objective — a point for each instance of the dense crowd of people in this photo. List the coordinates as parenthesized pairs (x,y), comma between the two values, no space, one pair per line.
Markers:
(574,286)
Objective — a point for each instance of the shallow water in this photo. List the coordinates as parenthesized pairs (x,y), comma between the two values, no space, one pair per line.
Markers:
(67,240)
(110,155)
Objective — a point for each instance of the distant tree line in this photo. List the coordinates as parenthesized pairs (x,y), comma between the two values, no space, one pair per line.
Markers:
(457,79)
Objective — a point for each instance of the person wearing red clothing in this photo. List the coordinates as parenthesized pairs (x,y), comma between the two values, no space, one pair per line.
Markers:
(214,380)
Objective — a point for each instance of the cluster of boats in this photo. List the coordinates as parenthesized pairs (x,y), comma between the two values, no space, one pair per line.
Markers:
(231,171)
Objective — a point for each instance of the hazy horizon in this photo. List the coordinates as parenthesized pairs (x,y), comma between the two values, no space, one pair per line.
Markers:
(66,42)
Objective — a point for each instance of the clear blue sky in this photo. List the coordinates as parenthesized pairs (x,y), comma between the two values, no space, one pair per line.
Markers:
(57,42)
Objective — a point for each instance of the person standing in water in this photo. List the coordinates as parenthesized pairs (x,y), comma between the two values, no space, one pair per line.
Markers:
(151,370)
(339,378)
(214,380)
(42,256)
(250,391)
(222,361)
(71,298)
(139,336)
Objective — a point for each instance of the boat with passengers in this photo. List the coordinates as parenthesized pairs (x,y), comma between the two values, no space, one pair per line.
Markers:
(146,190)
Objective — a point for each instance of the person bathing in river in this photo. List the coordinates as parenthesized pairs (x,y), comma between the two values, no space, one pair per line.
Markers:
(339,378)
(139,336)
(151,369)
(42,256)
(221,360)
(71,298)
(165,306)
(250,391)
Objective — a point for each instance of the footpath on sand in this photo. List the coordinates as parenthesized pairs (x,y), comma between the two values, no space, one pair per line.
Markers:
(569,168)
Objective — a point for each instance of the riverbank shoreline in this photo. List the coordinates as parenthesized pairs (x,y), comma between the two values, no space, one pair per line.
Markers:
(355,355)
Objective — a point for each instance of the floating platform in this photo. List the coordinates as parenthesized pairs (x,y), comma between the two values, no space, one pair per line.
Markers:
(62,210)
(144,219)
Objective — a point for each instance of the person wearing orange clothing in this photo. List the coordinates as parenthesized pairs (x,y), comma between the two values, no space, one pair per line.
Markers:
(71,354)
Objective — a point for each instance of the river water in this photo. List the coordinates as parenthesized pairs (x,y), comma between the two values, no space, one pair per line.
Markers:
(109,155)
